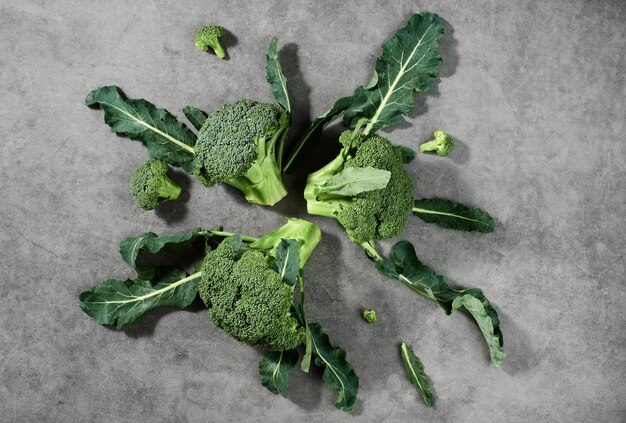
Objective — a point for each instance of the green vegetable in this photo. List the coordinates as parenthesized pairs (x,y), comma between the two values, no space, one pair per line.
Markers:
(369,316)
(372,209)
(151,186)
(416,374)
(442,144)
(240,144)
(237,145)
(248,285)
(452,215)
(274,369)
(208,37)
(405,267)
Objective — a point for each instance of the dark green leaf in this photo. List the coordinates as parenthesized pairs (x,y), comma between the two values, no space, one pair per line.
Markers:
(355,180)
(408,155)
(275,76)
(165,137)
(287,263)
(195,116)
(313,133)
(416,374)
(338,373)
(119,302)
(409,63)
(151,243)
(452,215)
(274,369)
(406,268)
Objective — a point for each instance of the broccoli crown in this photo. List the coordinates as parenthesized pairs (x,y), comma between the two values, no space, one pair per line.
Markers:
(382,213)
(207,37)
(369,316)
(442,144)
(247,298)
(150,185)
(228,143)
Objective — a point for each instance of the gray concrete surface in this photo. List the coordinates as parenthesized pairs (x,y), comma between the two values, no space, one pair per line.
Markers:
(533,91)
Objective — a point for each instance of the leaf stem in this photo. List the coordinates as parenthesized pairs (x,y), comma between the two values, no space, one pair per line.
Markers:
(245,238)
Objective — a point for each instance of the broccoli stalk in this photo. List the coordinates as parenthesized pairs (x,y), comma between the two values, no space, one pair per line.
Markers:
(442,144)
(150,185)
(208,36)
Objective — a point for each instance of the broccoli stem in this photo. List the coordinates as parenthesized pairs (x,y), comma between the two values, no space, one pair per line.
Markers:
(315,179)
(262,183)
(168,190)
(244,238)
(217,48)
(430,146)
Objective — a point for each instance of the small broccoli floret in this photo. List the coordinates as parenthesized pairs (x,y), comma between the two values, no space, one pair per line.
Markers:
(208,36)
(376,214)
(151,186)
(369,316)
(236,145)
(442,144)
(246,297)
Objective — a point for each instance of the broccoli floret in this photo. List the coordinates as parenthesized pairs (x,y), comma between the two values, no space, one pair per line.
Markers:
(376,214)
(151,186)
(237,144)
(246,297)
(208,36)
(369,316)
(442,144)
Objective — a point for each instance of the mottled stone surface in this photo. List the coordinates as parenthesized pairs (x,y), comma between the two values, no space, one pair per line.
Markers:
(533,91)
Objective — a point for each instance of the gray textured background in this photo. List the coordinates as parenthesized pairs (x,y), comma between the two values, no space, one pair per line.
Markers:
(533,91)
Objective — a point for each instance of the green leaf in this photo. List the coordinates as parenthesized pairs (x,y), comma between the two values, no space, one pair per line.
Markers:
(416,374)
(165,137)
(408,155)
(313,134)
(355,180)
(287,263)
(487,320)
(119,302)
(195,116)
(453,215)
(274,369)
(338,373)
(275,76)
(152,243)
(409,63)
(406,268)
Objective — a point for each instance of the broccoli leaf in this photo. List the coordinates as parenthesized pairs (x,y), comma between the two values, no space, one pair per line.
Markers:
(287,263)
(274,369)
(195,116)
(452,215)
(152,243)
(275,76)
(338,373)
(165,137)
(408,155)
(416,374)
(119,302)
(355,180)
(406,268)
(409,63)
(313,133)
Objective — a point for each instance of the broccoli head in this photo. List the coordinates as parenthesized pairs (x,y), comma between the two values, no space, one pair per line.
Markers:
(236,145)
(246,297)
(369,316)
(372,214)
(151,186)
(442,144)
(208,36)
